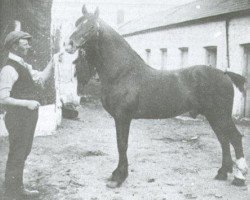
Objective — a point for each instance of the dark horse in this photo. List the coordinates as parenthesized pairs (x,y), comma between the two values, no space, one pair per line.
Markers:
(132,90)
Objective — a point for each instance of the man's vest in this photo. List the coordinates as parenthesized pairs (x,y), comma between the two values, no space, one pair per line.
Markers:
(24,87)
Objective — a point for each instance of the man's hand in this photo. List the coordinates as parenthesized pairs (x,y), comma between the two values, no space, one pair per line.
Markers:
(58,57)
(32,105)
(45,74)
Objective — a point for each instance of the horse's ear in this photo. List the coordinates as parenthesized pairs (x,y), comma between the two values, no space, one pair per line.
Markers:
(96,14)
(84,10)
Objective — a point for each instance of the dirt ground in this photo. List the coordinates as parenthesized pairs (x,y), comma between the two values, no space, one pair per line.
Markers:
(169,159)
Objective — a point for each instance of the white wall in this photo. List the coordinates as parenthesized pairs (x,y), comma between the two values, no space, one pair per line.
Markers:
(195,37)
(239,34)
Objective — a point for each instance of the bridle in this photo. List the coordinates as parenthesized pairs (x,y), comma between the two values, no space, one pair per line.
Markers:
(81,47)
(97,34)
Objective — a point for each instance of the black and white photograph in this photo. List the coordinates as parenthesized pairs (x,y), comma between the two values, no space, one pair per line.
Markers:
(124,99)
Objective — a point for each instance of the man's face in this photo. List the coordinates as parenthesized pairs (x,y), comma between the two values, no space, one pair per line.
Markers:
(23,47)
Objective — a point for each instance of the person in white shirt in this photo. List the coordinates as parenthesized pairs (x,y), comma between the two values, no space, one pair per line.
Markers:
(19,87)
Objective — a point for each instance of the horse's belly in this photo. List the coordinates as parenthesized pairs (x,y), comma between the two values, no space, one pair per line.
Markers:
(159,109)
(162,114)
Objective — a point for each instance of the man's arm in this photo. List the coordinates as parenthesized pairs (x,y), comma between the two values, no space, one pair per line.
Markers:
(46,73)
(30,104)
(41,77)
(8,77)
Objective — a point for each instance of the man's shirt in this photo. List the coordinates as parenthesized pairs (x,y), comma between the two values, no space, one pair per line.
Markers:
(8,76)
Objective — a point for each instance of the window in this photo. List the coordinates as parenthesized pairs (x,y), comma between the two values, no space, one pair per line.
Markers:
(120,17)
(148,55)
(163,58)
(184,56)
(211,56)
(246,73)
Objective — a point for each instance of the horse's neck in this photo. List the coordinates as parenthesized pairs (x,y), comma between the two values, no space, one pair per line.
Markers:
(113,56)
(94,59)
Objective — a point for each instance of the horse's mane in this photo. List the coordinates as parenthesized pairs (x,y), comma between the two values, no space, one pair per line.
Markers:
(83,70)
(116,37)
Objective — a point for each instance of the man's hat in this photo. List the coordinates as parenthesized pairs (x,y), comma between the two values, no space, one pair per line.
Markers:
(14,36)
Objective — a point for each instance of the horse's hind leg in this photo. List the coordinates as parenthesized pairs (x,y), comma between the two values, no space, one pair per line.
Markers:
(120,174)
(241,166)
(219,126)
(227,133)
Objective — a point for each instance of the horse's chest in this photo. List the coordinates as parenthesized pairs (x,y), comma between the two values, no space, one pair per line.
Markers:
(110,99)
(105,99)
(120,99)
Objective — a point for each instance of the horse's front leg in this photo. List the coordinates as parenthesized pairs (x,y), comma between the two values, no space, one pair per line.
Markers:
(120,174)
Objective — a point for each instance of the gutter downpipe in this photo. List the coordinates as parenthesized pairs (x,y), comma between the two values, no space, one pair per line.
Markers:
(227,43)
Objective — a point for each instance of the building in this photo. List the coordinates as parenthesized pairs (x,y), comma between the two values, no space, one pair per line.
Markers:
(211,32)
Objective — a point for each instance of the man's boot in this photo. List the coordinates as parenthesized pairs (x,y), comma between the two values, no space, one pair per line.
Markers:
(29,194)
(20,194)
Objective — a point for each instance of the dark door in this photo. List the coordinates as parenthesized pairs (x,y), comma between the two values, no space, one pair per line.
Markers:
(247,69)
(211,56)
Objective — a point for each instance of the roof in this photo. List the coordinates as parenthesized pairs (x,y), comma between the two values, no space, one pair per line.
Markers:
(199,9)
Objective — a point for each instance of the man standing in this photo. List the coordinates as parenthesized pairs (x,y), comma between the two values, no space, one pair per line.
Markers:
(19,86)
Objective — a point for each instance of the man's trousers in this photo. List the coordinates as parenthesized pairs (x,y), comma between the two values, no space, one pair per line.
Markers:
(21,125)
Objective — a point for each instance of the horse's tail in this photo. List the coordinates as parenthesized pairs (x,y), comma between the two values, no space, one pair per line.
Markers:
(238,80)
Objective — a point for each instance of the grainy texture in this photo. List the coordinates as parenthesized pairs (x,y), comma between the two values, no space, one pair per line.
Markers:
(169,159)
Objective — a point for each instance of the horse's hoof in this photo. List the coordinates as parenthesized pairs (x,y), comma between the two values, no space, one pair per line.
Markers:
(221,176)
(113,184)
(238,182)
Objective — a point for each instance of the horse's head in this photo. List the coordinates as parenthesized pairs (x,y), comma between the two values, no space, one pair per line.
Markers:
(87,29)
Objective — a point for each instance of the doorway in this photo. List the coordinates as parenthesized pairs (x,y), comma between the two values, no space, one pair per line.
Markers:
(184,56)
(211,56)
(247,75)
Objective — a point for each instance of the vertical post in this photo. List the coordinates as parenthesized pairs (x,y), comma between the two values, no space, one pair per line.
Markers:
(227,43)
(56,36)
(120,17)
(17,25)
(148,55)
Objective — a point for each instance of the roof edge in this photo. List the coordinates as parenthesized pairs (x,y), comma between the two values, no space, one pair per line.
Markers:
(239,13)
